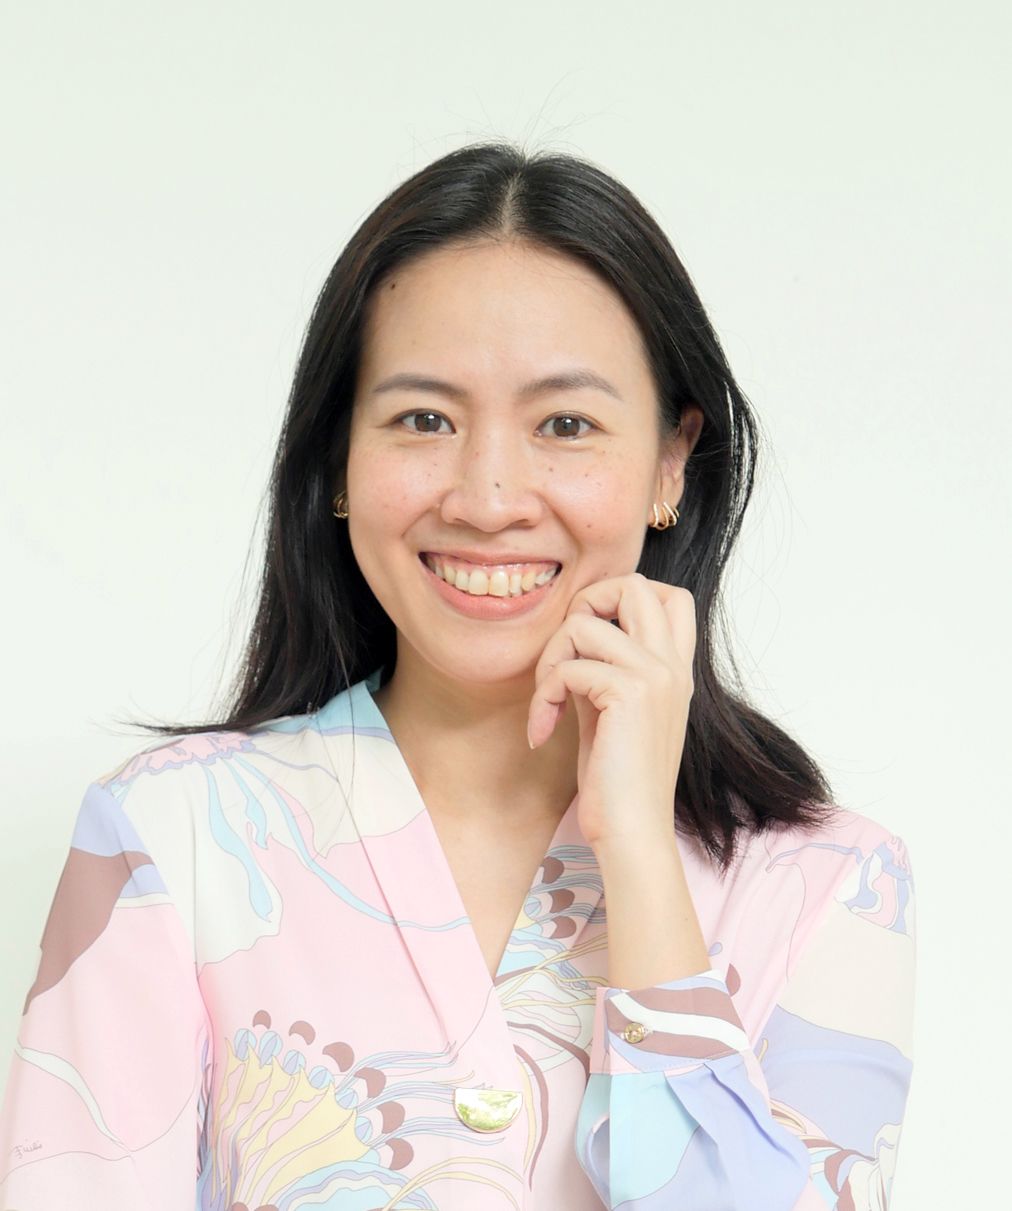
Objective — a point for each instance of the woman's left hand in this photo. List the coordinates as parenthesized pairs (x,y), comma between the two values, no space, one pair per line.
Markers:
(632,684)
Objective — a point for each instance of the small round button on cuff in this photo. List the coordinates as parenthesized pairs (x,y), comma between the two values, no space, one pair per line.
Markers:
(635,1032)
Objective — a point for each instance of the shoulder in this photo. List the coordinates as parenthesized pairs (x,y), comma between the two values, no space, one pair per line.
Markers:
(172,769)
(811,903)
(204,807)
(188,791)
(842,840)
(193,751)
(851,862)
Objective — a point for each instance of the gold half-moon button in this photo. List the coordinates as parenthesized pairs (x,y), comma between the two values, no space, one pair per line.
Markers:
(487,1109)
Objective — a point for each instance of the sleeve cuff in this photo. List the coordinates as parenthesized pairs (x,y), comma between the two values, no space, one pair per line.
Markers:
(667,1027)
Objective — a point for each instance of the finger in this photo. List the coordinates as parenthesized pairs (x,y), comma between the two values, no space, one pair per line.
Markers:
(592,638)
(639,605)
(680,607)
(581,636)
(598,682)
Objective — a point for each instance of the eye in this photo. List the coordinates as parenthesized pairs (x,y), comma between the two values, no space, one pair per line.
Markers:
(412,415)
(570,416)
(561,416)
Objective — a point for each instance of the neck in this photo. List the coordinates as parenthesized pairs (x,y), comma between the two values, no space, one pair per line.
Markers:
(466,745)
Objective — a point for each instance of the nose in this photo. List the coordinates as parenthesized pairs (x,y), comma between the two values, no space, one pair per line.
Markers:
(494,481)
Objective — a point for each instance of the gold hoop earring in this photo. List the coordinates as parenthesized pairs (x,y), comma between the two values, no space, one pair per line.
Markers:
(340,503)
(669,518)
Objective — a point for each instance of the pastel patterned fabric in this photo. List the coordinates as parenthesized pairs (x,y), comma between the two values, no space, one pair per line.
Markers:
(259,991)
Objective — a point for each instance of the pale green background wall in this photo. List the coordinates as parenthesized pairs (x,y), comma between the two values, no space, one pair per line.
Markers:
(178,180)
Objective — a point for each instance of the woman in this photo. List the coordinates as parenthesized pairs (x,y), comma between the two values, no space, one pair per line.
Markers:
(486,892)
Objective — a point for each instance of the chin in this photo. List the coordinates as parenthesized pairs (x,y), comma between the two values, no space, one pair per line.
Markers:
(488,664)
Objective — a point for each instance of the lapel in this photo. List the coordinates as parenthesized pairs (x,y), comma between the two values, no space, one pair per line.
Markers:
(394,827)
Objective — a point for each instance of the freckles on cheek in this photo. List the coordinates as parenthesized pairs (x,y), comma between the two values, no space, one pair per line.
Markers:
(605,498)
(382,479)
(398,497)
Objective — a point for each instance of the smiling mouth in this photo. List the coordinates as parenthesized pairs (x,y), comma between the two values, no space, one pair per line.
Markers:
(493,580)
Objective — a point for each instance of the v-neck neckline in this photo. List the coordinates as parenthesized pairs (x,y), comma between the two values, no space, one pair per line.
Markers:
(566,833)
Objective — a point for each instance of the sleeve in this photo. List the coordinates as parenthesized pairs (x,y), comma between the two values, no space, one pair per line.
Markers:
(680,1109)
(107,1087)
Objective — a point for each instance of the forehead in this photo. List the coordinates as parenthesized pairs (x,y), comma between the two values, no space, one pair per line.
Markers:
(497,306)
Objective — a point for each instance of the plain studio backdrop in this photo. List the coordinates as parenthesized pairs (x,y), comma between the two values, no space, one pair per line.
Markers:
(178,179)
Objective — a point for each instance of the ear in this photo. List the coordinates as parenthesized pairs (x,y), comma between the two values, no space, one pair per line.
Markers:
(678,446)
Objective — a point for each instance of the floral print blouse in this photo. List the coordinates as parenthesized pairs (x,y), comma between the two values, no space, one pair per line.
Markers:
(259,990)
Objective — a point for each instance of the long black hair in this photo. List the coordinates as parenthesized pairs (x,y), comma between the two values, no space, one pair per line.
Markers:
(318,627)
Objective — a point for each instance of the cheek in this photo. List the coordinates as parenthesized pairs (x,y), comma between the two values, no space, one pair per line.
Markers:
(385,489)
(606,512)
(606,501)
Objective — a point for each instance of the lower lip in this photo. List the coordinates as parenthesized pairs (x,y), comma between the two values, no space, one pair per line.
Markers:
(486,606)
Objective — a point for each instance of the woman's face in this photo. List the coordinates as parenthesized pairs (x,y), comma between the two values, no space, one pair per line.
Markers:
(472,464)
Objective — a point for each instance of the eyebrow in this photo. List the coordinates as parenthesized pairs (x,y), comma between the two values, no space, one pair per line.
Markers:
(568,380)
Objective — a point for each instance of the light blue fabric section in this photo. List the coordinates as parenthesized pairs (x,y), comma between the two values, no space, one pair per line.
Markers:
(591,1137)
(703,1138)
(649,1131)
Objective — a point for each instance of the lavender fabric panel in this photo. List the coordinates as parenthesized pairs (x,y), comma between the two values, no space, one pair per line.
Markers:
(761,1165)
(847,1084)
(102,827)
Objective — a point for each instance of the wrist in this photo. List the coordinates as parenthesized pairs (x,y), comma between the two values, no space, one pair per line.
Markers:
(654,934)
(635,849)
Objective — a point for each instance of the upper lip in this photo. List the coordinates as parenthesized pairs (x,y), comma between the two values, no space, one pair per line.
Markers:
(490,557)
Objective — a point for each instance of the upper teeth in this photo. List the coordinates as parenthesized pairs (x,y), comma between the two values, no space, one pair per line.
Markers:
(493,581)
